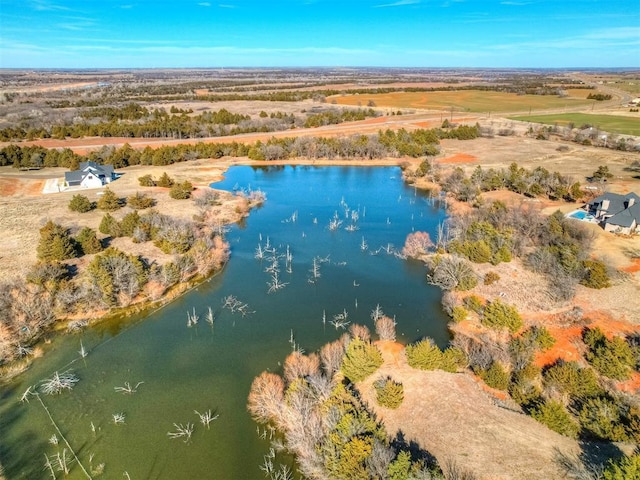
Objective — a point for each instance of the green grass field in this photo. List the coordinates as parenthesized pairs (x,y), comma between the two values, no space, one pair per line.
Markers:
(475,101)
(608,123)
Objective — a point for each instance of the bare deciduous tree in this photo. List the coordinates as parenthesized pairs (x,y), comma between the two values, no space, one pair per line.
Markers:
(417,244)
(331,355)
(360,331)
(386,328)
(298,365)
(266,398)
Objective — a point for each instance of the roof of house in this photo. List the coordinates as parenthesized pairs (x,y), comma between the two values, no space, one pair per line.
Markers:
(621,213)
(626,217)
(106,170)
(617,202)
(86,168)
(74,177)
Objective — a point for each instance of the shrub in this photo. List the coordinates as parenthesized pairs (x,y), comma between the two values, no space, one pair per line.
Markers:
(400,468)
(140,201)
(109,201)
(146,181)
(117,276)
(88,241)
(459,313)
(555,416)
(627,468)
(478,251)
(595,274)
(110,226)
(181,191)
(521,351)
(207,198)
(129,223)
(602,173)
(473,303)
(452,273)
(453,359)
(174,237)
(601,417)
(81,204)
(495,376)
(499,315)
(523,387)
(47,274)
(165,181)
(360,360)
(612,358)
(424,355)
(569,378)
(541,337)
(490,278)
(389,393)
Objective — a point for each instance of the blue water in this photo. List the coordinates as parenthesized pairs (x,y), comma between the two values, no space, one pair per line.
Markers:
(582,215)
(202,367)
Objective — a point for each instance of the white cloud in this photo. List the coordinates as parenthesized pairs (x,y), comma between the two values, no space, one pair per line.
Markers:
(47,6)
(399,3)
(204,4)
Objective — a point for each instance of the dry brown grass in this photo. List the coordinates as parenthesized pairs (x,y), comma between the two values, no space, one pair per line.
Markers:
(25,209)
(452,417)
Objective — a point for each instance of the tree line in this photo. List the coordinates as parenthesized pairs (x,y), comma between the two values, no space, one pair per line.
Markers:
(388,143)
(133,120)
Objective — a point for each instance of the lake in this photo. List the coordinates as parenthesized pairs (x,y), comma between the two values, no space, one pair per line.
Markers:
(327,238)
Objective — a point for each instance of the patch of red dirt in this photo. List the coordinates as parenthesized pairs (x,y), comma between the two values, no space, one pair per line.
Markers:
(630,386)
(609,325)
(371,121)
(459,158)
(566,346)
(431,124)
(392,351)
(35,188)
(8,186)
(569,343)
(634,267)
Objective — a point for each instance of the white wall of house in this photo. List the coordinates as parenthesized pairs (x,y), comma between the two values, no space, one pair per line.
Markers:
(608,227)
(91,181)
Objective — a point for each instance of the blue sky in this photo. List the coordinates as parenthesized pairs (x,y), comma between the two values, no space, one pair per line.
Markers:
(402,33)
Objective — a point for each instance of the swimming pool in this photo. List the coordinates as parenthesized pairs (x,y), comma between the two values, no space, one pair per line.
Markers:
(582,215)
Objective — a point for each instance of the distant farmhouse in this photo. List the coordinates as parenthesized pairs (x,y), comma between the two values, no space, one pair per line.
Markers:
(617,213)
(90,175)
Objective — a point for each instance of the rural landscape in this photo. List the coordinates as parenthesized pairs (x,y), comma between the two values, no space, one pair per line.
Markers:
(213,244)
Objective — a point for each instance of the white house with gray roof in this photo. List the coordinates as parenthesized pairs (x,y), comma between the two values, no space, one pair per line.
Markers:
(617,213)
(90,175)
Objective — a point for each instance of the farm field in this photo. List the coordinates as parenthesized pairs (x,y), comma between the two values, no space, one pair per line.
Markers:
(467,100)
(624,125)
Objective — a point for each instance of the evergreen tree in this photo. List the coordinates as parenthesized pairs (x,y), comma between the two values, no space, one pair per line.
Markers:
(80,203)
(129,223)
(109,201)
(181,191)
(55,243)
(110,226)
(165,181)
(88,241)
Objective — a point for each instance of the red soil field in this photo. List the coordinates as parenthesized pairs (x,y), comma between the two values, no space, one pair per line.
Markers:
(459,158)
